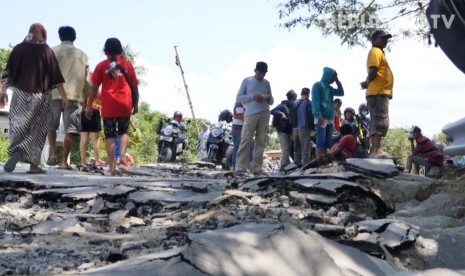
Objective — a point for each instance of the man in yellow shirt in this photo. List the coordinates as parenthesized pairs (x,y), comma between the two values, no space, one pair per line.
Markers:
(378,85)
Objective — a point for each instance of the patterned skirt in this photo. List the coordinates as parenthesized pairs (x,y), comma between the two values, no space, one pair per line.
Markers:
(30,117)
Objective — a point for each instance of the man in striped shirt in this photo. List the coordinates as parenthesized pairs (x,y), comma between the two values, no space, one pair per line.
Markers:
(425,153)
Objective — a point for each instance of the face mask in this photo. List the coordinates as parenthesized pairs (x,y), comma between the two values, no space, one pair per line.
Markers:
(364,113)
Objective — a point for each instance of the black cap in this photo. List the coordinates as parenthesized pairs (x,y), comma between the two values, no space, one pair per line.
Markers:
(380,33)
(305,91)
(262,67)
(415,129)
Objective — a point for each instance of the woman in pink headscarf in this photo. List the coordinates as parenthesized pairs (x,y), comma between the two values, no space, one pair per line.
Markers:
(32,71)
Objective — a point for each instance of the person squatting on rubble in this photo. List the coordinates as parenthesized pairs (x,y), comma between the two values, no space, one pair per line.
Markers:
(305,126)
(32,71)
(255,93)
(347,146)
(425,153)
(323,109)
(118,79)
(74,66)
(283,125)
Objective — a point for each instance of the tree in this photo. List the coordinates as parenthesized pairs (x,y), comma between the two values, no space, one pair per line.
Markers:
(140,70)
(4,54)
(353,21)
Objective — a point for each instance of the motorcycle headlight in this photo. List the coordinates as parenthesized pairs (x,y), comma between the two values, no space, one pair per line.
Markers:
(168,130)
(176,130)
(217,132)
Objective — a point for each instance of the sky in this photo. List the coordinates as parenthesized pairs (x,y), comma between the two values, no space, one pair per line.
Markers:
(219,43)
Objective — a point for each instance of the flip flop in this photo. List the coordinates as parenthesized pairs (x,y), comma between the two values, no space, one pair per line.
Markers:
(66,168)
(39,171)
(10,165)
(52,161)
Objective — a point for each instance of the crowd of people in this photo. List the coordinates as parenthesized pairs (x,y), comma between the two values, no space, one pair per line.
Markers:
(50,83)
(53,83)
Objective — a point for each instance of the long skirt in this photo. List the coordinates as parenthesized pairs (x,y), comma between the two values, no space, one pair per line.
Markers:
(30,117)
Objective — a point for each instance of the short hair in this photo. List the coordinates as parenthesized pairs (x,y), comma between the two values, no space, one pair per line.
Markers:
(113,47)
(337,100)
(346,129)
(67,33)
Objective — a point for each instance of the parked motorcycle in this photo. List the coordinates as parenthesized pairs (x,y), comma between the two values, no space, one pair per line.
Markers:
(172,141)
(220,145)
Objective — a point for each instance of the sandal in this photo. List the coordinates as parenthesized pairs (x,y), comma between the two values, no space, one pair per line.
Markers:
(10,165)
(66,167)
(52,161)
(38,171)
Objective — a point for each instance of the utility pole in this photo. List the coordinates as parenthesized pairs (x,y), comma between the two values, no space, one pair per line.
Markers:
(178,63)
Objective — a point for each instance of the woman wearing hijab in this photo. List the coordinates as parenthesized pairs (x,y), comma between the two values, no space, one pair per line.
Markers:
(32,71)
(119,99)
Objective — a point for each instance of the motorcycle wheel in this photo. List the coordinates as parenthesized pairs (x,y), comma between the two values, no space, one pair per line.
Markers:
(165,155)
(228,163)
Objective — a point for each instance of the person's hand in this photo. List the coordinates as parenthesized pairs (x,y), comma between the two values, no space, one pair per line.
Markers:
(364,84)
(258,97)
(88,113)
(135,109)
(283,116)
(322,122)
(336,79)
(3,99)
(64,103)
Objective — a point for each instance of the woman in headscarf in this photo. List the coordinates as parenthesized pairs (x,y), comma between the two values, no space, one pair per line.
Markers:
(32,71)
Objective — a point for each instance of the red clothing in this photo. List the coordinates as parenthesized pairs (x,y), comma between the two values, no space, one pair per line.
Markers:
(116,93)
(348,146)
(337,122)
(427,149)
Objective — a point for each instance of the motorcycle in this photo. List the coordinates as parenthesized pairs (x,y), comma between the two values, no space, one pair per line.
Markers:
(172,141)
(220,145)
(362,137)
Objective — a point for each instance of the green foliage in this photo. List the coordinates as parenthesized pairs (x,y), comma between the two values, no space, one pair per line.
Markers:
(4,54)
(397,144)
(273,140)
(353,21)
(4,143)
(441,137)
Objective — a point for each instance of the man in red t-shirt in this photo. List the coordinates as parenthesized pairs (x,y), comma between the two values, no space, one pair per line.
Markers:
(425,153)
(347,146)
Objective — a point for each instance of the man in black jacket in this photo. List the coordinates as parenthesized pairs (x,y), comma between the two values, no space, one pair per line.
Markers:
(282,113)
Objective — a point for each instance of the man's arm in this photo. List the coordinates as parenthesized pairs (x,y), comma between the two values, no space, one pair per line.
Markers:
(242,96)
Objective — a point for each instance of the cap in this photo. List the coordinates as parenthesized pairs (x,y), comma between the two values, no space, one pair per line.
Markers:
(305,91)
(380,33)
(262,67)
(415,129)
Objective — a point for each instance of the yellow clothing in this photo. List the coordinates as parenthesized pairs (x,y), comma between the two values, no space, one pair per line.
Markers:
(75,70)
(383,83)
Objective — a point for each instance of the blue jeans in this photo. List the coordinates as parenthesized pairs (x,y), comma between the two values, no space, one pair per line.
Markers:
(236,134)
(324,137)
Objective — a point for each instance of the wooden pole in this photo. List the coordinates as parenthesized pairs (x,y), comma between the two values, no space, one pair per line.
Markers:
(178,63)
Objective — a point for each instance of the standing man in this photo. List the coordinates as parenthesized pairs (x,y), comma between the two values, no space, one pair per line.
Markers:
(378,85)
(305,127)
(255,93)
(323,109)
(283,126)
(74,66)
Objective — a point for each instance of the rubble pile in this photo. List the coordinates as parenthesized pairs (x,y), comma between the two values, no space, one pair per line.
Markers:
(198,220)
